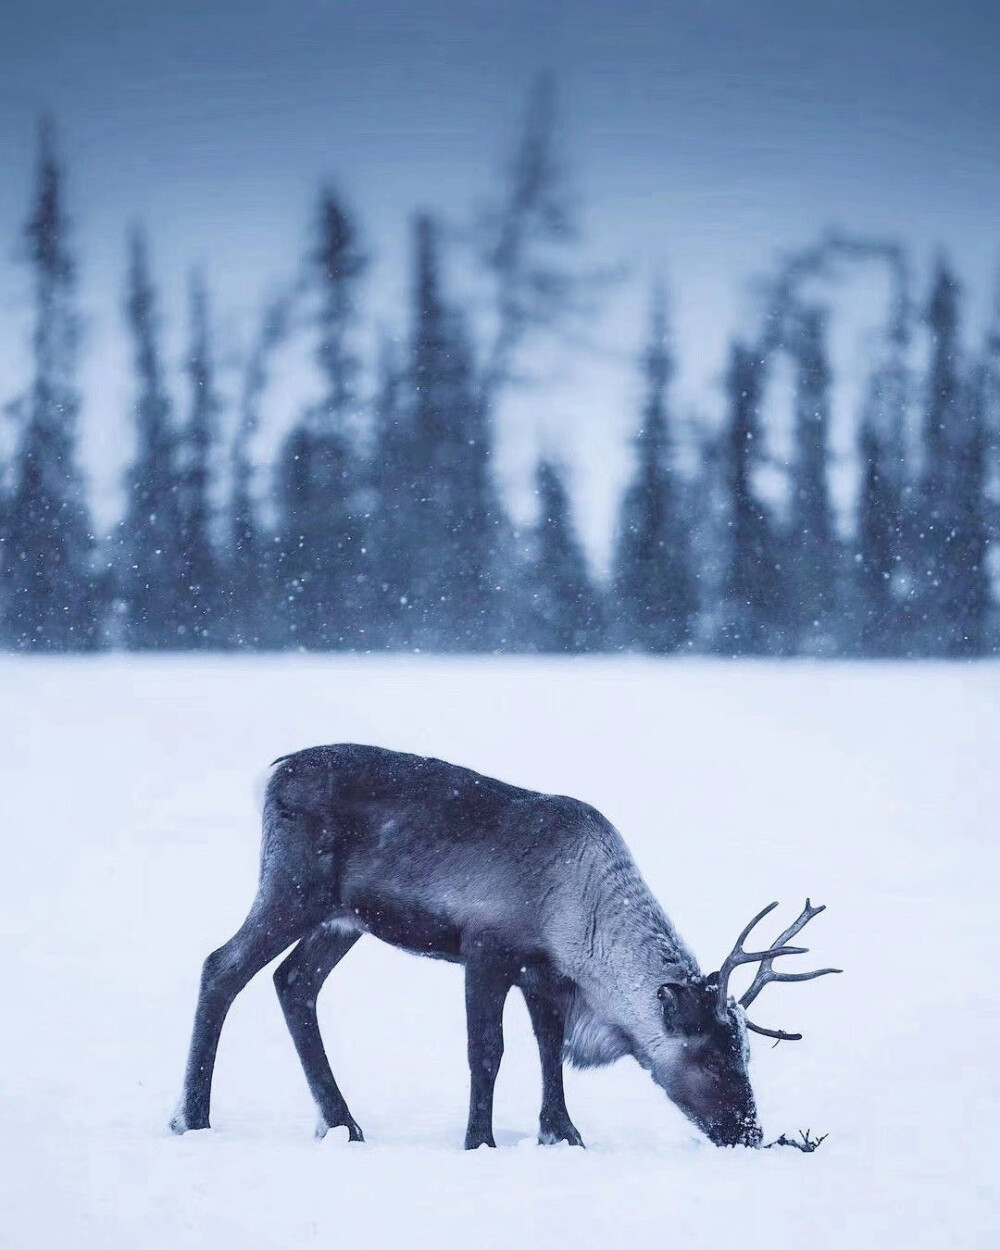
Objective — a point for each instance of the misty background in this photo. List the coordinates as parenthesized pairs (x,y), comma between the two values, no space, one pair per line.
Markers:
(700,150)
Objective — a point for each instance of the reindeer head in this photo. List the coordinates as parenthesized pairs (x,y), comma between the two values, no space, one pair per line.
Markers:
(708,1078)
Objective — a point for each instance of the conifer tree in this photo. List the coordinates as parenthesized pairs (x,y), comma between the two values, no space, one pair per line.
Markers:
(394,512)
(754,617)
(884,528)
(567,609)
(991,432)
(968,580)
(536,290)
(200,601)
(953,507)
(48,598)
(813,549)
(455,511)
(943,392)
(879,518)
(252,606)
(653,582)
(323,568)
(430,450)
(151,569)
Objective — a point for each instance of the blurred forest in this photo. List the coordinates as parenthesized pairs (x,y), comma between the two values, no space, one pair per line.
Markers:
(381,525)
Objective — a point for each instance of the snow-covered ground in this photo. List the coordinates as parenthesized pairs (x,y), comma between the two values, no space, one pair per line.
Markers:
(130,848)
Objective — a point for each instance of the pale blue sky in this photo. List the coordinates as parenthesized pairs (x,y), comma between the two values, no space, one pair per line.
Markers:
(703,138)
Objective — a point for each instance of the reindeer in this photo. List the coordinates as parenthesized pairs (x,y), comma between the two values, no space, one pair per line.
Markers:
(524,889)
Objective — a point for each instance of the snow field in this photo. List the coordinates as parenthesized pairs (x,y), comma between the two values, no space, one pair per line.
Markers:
(131,846)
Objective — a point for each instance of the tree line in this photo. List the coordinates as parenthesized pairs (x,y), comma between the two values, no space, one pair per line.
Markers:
(381,526)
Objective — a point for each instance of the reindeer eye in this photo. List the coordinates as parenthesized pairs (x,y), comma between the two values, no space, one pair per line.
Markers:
(668,993)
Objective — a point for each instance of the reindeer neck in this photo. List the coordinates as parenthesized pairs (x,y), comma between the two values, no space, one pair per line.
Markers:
(617,932)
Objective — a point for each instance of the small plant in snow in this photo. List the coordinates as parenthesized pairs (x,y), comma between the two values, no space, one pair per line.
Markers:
(806,1142)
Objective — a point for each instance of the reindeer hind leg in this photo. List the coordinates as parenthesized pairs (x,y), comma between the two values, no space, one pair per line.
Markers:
(298,981)
(267,931)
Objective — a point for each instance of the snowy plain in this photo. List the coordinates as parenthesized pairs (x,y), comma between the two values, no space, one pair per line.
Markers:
(130,851)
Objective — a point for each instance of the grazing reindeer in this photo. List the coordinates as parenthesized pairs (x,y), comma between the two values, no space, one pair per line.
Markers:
(525,889)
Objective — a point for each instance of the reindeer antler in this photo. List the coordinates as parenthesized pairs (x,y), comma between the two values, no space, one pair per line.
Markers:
(766,973)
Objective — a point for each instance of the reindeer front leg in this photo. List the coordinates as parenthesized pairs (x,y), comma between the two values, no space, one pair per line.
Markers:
(548,1019)
(487,983)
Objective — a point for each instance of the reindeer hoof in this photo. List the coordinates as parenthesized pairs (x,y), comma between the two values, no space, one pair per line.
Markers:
(474,1141)
(180,1123)
(354,1132)
(552,1135)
